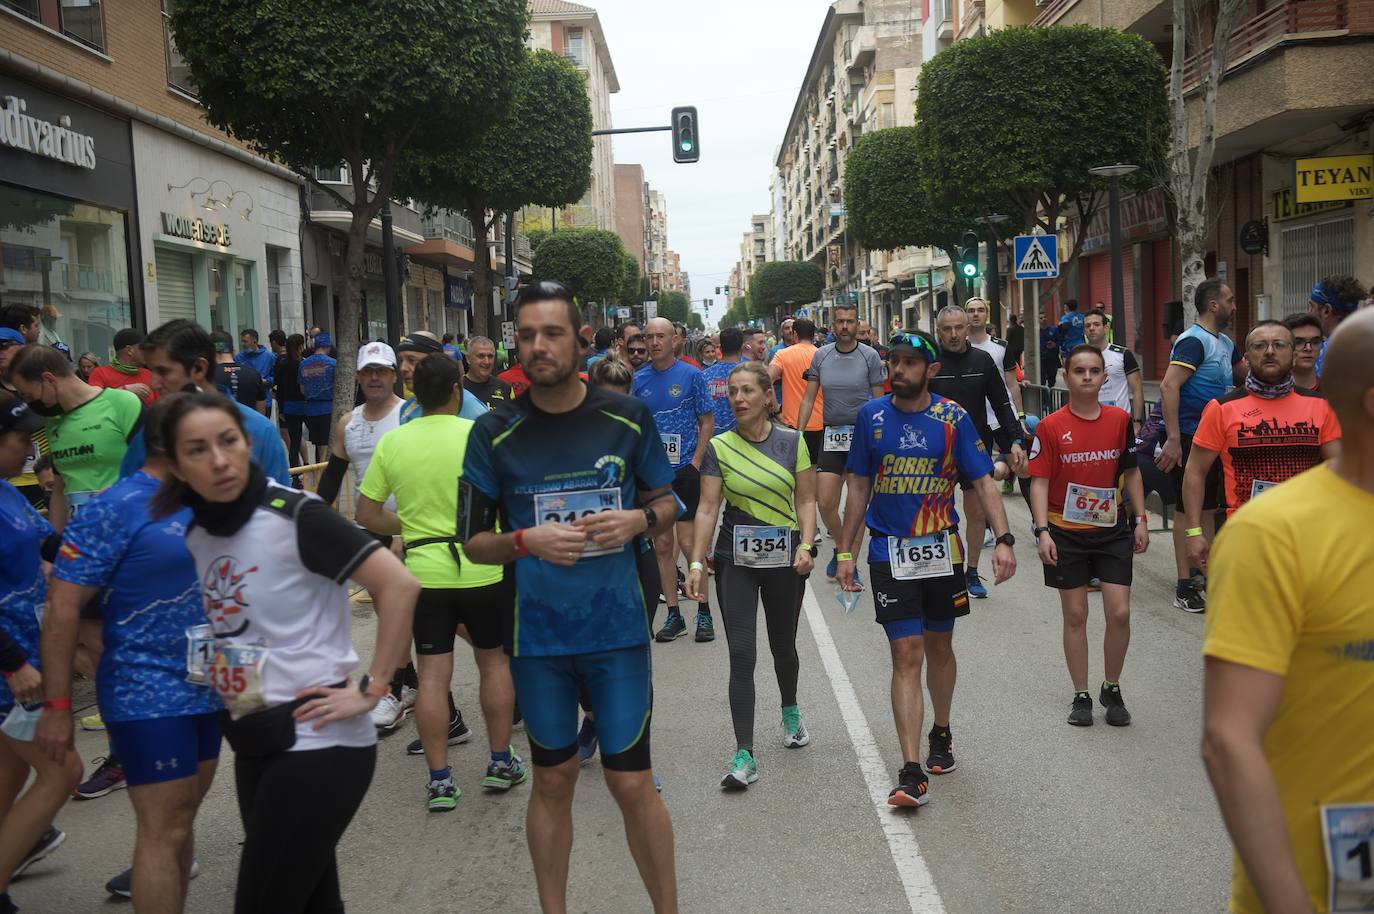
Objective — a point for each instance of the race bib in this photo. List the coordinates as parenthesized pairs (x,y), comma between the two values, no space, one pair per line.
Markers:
(918,557)
(1260,486)
(1090,505)
(1348,838)
(672,447)
(763,547)
(200,653)
(566,507)
(838,438)
(236,675)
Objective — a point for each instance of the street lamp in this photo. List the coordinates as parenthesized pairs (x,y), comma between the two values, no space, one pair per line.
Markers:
(994,282)
(1114,174)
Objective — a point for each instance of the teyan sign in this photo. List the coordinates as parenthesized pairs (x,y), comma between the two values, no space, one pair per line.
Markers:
(195,230)
(44,138)
(1322,178)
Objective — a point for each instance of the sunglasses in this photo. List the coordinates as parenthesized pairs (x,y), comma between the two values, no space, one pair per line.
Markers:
(915,341)
(637,350)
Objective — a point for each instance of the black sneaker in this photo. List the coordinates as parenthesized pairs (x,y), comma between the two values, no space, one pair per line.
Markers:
(1190,599)
(1081,715)
(706,629)
(674,627)
(941,758)
(912,787)
(458,733)
(1110,699)
(50,841)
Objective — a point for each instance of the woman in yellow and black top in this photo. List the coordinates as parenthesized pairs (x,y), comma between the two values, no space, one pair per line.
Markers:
(764,549)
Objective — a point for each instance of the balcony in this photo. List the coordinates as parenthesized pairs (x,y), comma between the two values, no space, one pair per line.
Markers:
(943,14)
(1293,20)
(862,48)
(1052,10)
(449,226)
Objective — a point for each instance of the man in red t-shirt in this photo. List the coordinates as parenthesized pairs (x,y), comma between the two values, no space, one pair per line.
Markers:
(126,369)
(1265,433)
(1082,459)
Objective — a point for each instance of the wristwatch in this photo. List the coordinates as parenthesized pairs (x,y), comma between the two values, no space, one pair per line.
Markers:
(366,686)
(650,519)
(1039,530)
(1006,539)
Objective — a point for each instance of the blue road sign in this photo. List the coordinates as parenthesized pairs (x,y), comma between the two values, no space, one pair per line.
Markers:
(1036,256)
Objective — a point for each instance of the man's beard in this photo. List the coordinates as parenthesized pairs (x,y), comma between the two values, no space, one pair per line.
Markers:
(561,373)
(910,390)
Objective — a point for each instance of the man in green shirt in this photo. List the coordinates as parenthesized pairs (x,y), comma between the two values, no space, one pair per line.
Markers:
(408,465)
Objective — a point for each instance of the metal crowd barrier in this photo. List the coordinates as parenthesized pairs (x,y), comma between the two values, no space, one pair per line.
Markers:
(309,476)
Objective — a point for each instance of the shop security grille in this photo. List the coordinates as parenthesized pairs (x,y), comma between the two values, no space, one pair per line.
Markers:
(1311,252)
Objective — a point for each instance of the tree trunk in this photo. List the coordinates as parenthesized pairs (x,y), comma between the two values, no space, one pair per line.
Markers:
(346,327)
(484,321)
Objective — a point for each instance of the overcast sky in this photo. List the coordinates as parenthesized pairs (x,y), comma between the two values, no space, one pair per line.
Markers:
(741,62)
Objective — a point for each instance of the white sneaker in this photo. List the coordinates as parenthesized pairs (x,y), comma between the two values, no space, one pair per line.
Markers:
(408,696)
(389,713)
(989,540)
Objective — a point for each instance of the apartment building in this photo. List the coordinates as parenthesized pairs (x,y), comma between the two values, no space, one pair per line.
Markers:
(574,31)
(1296,86)
(755,247)
(631,213)
(121,205)
(656,237)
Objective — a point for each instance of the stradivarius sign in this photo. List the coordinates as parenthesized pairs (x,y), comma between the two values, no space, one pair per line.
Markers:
(44,138)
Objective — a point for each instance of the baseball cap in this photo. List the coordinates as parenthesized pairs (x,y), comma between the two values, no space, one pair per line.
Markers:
(376,354)
(8,335)
(416,342)
(913,341)
(15,415)
(127,337)
(323,341)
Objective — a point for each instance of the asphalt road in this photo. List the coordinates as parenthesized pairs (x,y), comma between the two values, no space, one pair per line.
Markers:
(1039,816)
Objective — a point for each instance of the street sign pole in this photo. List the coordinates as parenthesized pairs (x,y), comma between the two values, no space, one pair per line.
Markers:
(1032,330)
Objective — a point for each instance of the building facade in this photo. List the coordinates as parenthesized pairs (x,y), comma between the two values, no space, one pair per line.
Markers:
(631,213)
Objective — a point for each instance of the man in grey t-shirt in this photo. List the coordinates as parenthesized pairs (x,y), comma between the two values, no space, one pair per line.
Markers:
(847,374)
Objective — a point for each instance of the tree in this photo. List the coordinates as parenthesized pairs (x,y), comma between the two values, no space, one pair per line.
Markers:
(629,289)
(1189,168)
(779,284)
(590,262)
(674,306)
(886,201)
(336,83)
(1017,117)
(694,322)
(539,154)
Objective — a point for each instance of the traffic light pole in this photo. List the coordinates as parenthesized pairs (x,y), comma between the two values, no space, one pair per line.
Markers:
(631,130)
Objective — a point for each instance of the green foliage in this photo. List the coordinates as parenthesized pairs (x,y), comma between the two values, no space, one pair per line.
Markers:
(886,196)
(694,322)
(537,235)
(1021,114)
(778,282)
(590,262)
(674,306)
(736,313)
(629,288)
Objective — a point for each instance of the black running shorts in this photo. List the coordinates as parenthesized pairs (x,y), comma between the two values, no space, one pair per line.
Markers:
(1087,554)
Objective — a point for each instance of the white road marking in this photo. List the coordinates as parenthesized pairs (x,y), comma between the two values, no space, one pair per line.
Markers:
(921,893)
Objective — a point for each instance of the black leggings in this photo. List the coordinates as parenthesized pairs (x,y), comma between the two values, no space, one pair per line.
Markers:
(738,590)
(295,431)
(295,807)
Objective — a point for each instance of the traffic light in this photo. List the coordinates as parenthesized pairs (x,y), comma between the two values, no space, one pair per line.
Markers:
(968,256)
(686,142)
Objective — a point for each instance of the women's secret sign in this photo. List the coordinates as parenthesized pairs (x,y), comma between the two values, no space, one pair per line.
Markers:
(195,230)
(44,138)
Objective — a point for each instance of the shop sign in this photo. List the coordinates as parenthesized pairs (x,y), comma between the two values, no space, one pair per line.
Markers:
(1141,216)
(195,230)
(1284,206)
(1334,178)
(457,294)
(44,138)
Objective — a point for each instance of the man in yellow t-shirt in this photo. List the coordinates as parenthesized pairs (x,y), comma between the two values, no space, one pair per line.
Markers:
(419,464)
(1288,732)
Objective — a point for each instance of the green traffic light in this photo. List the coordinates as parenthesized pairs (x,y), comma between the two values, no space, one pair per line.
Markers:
(970,269)
(686,145)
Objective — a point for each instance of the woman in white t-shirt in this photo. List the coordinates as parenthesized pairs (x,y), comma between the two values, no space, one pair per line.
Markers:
(274,564)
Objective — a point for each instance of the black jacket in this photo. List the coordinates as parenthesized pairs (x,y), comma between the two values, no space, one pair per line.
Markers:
(971,379)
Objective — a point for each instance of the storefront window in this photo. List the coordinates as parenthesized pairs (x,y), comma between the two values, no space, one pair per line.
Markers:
(68,259)
(273,291)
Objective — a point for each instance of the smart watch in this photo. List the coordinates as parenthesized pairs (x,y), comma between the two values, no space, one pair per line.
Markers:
(650,519)
(1039,530)
(1006,539)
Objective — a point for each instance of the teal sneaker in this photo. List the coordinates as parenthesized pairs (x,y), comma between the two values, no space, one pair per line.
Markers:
(505,775)
(443,795)
(743,771)
(794,734)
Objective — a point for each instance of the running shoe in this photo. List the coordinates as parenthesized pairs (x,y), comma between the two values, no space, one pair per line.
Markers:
(1190,599)
(673,627)
(743,771)
(988,539)
(1110,699)
(974,585)
(832,566)
(1081,714)
(408,696)
(123,884)
(706,629)
(107,778)
(681,585)
(794,734)
(92,722)
(1199,582)
(389,713)
(458,733)
(443,795)
(586,740)
(505,775)
(912,787)
(50,841)
(941,757)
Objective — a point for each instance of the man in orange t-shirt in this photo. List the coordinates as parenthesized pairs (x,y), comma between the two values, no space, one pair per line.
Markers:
(1265,432)
(788,368)
(126,368)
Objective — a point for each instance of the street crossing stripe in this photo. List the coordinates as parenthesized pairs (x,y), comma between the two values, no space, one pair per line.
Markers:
(921,893)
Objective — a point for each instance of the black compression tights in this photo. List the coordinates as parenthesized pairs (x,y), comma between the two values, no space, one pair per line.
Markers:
(738,591)
(295,807)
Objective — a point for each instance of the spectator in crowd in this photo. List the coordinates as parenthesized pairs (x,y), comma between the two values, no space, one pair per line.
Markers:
(290,398)
(263,361)
(23,318)
(237,379)
(316,375)
(87,363)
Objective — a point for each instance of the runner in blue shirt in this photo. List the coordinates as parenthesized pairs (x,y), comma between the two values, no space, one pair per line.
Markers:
(161,717)
(263,360)
(575,473)
(26,540)
(1071,331)
(316,376)
(717,378)
(676,394)
(904,464)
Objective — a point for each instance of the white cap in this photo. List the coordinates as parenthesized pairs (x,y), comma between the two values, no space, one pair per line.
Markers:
(376,354)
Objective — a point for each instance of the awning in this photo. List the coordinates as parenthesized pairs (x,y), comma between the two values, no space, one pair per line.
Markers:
(915,299)
(882,287)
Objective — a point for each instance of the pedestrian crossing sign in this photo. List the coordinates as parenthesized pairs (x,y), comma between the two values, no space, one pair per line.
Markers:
(1036,256)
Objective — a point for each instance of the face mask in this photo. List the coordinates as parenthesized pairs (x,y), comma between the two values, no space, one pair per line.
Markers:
(49,412)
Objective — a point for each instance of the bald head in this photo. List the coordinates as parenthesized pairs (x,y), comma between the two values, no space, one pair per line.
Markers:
(658,334)
(1348,374)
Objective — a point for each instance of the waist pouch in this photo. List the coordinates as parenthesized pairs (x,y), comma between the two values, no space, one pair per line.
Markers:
(264,732)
